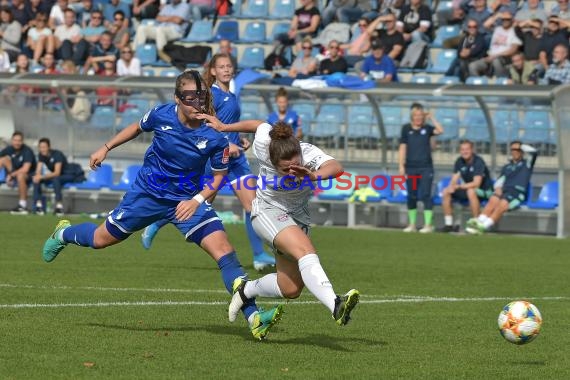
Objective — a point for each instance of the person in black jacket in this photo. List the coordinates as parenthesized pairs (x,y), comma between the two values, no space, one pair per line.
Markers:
(471,48)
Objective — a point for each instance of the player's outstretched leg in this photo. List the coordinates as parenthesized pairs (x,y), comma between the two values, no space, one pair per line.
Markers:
(80,234)
(344,306)
(54,243)
(261,259)
(150,232)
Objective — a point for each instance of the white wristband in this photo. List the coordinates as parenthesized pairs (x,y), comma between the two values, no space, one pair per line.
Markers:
(199,198)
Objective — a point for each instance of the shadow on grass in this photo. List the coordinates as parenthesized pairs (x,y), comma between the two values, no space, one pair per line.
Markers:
(331,342)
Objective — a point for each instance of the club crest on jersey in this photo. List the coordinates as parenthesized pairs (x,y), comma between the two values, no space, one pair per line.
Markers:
(201,143)
(282,217)
(226,156)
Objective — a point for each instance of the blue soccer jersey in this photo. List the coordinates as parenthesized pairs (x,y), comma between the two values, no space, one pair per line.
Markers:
(291,118)
(174,163)
(227,109)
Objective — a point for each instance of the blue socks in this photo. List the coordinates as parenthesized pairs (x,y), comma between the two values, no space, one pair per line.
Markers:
(254,240)
(80,234)
(231,269)
(161,223)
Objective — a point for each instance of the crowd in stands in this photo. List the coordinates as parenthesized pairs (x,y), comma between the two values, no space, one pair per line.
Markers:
(524,41)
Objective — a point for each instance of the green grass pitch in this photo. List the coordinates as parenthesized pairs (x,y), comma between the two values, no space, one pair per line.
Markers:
(429,309)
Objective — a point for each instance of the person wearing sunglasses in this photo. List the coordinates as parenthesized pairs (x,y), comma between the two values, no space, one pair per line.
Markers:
(335,63)
(305,64)
(40,38)
(511,189)
(128,64)
(168,186)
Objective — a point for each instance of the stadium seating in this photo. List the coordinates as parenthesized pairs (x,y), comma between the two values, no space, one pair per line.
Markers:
(2,175)
(537,126)
(171,73)
(127,179)
(338,191)
(279,28)
(254,32)
(103,117)
(201,31)
(283,9)
(363,127)
(477,80)
(227,30)
(257,9)
(445,32)
(381,183)
(506,126)
(129,116)
(147,54)
(400,196)
(252,58)
(449,119)
(442,61)
(547,198)
(96,179)
(392,119)
(146,72)
(250,110)
(327,123)
(421,79)
(441,185)
(306,112)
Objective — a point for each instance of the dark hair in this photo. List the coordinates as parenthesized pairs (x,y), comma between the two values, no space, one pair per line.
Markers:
(208,77)
(416,105)
(283,145)
(107,33)
(119,12)
(18,133)
(190,76)
(281,92)
(466,142)
(516,142)
(44,140)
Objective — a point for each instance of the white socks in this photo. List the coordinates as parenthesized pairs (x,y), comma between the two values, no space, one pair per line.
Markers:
(448,220)
(265,286)
(316,280)
(23,203)
(488,223)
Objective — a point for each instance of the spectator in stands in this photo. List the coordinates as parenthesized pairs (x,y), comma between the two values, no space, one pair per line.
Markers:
(33,7)
(561,10)
(20,164)
(4,61)
(201,8)
(335,63)
(393,40)
(504,43)
(501,6)
(69,42)
(415,22)
(21,91)
(531,12)
(522,71)
(10,33)
(379,66)
(356,49)
(145,8)
(530,33)
(511,189)
(20,14)
(40,38)
(225,47)
(305,23)
(113,6)
(84,11)
(305,64)
(286,114)
(471,48)
(102,52)
(51,99)
(474,10)
(476,184)
(119,31)
(60,173)
(559,71)
(92,32)
(128,64)
(346,11)
(57,14)
(107,96)
(415,162)
(172,24)
(555,35)
(77,101)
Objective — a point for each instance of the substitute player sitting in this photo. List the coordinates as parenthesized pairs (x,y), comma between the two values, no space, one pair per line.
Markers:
(510,189)
(476,183)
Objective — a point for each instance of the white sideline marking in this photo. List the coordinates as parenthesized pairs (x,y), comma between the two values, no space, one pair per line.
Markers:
(105,289)
(218,303)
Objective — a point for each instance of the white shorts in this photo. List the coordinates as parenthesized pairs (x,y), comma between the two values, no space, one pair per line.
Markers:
(269,221)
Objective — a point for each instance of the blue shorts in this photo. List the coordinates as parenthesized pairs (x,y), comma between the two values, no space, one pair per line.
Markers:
(514,198)
(238,167)
(138,210)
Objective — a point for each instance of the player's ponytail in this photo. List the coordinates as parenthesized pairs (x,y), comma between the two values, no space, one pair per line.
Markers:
(283,145)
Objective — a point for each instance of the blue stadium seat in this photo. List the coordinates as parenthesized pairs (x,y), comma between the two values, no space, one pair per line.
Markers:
(448,80)
(421,79)
(147,54)
(201,31)
(475,125)
(279,28)
(170,73)
(449,119)
(227,30)
(507,126)
(336,193)
(252,58)
(306,112)
(249,110)
(129,116)
(127,179)
(327,122)
(258,9)
(149,22)
(445,32)
(547,198)
(537,126)
(444,6)
(103,117)
(2,175)
(442,61)
(96,179)
(254,32)
(147,72)
(392,118)
(400,196)
(362,123)
(381,183)
(283,9)
(441,185)
(141,104)
(477,81)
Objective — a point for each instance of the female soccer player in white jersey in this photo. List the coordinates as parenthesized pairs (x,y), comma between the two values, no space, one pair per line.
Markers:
(168,186)
(218,75)
(280,215)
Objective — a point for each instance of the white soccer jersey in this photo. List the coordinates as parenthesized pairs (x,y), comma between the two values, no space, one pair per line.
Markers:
(295,200)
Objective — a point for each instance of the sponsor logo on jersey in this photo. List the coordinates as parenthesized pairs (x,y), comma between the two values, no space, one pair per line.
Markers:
(166,127)
(201,143)
(226,156)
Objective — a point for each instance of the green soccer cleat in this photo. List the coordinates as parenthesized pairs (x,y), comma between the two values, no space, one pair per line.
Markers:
(265,320)
(238,298)
(53,246)
(472,223)
(344,306)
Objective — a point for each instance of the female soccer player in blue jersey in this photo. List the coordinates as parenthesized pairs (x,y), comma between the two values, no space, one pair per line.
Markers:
(218,75)
(168,186)
(285,114)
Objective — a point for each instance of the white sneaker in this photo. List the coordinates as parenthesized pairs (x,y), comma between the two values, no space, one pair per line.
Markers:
(410,228)
(426,229)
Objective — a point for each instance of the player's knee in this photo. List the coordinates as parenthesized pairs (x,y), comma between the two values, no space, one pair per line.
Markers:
(471,193)
(292,291)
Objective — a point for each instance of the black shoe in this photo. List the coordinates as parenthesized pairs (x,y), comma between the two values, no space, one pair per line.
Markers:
(448,229)
(39,211)
(58,211)
(19,210)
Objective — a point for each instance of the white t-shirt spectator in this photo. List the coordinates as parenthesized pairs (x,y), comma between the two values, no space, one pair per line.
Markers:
(502,40)
(35,35)
(57,14)
(133,68)
(63,33)
(4,62)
